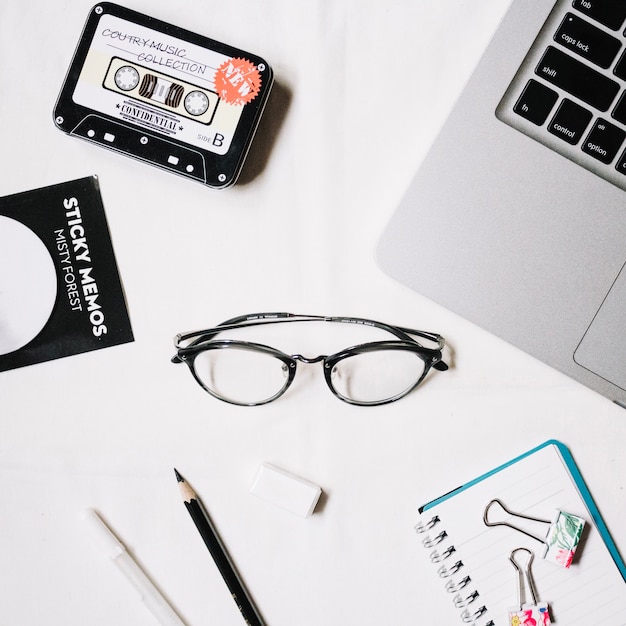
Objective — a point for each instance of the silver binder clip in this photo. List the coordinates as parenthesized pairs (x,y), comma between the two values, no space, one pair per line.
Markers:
(561,540)
(527,612)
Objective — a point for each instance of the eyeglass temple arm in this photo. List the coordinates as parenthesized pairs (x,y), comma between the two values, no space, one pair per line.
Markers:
(398,331)
(261,318)
(256,319)
(253,319)
(436,338)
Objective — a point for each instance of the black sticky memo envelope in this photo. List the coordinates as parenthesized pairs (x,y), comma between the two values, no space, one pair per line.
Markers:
(60,290)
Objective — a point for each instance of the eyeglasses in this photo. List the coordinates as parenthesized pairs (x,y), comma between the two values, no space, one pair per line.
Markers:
(250,374)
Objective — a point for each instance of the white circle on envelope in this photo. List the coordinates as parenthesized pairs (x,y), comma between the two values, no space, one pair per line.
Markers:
(28,285)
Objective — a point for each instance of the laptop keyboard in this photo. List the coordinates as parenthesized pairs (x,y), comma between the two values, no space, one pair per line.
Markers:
(570,92)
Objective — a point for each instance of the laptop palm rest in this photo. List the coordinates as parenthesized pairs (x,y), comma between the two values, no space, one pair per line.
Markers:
(603,346)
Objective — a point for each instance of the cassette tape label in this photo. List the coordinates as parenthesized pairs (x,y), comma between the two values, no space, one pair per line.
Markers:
(135,64)
(145,74)
(156,88)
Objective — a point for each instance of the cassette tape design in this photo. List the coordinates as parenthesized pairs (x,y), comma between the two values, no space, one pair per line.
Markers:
(163,95)
(158,89)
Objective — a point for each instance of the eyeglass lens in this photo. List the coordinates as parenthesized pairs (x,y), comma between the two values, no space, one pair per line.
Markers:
(377,376)
(241,376)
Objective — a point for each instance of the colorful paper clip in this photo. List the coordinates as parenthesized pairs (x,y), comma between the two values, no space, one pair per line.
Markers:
(526,613)
(561,540)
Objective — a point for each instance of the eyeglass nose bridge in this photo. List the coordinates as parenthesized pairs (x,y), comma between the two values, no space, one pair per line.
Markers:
(304,359)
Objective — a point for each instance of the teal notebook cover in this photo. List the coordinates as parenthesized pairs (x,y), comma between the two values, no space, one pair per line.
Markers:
(472,559)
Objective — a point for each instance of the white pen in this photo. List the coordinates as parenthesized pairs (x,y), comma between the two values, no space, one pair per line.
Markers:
(117,552)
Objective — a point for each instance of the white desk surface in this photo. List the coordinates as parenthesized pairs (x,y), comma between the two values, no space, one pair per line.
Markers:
(361,90)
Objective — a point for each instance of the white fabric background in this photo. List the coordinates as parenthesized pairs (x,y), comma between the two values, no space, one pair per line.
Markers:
(361,90)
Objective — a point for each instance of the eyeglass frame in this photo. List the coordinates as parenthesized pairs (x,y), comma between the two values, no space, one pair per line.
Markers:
(204,340)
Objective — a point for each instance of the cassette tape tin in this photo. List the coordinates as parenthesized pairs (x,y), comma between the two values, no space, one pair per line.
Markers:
(163,95)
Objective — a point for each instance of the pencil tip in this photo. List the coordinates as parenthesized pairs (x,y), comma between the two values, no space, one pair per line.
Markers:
(179,478)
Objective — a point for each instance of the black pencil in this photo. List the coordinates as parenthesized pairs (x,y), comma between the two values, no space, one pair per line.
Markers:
(224,564)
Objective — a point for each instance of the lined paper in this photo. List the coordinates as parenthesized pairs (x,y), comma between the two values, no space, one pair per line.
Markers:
(591,591)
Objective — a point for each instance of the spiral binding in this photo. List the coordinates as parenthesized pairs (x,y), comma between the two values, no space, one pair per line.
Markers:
(431,543)
(464,597)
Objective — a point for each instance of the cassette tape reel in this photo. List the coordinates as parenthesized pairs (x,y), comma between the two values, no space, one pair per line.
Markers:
(163,95)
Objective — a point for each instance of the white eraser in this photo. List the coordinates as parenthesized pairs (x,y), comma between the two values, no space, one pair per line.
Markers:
(285,490)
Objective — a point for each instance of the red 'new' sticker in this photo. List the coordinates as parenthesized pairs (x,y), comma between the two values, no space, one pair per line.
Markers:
(237,81)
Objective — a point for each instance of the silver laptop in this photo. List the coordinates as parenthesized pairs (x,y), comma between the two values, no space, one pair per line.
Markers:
(516,219)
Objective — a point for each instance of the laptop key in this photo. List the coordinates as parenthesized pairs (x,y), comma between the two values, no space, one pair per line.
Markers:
(578,79)
(536,102)
(604,140)
(588,41)
(620,67)
(620,166)
(619,113)
(610,13)
(570,121)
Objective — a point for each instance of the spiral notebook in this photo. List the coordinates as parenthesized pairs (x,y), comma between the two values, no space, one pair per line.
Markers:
(472,559)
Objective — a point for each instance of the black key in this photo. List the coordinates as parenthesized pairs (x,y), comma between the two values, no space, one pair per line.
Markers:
(570,121)
(611,13)
(619,113)
(620,68)
(576,78)
(620,166)
(604,141)
(588,41)
(536,102)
